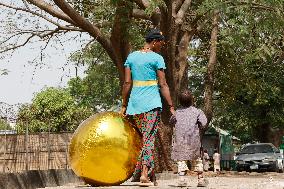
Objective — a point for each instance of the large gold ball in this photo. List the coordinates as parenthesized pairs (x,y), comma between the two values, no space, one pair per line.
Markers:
(104,149)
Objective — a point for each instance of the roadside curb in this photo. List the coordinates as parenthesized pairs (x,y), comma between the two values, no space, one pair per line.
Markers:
(38,179)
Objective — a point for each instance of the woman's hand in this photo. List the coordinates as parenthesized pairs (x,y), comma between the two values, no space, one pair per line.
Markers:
(123,111)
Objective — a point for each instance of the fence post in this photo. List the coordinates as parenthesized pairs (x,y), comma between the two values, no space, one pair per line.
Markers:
(48,147)
(38,151)
(66,149)
(4,155)
(26,146)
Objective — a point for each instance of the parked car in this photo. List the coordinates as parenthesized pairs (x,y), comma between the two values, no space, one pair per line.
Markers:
(261,156)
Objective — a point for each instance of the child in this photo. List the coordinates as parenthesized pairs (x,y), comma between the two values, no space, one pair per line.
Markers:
(205,160)
(186,138)
(216,158)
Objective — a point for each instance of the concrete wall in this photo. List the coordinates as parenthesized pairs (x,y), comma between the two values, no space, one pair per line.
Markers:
(38,179)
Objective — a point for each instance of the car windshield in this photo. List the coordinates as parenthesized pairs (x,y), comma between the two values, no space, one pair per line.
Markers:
(252,149)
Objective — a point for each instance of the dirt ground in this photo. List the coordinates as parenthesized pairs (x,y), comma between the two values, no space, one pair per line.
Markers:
(223,180)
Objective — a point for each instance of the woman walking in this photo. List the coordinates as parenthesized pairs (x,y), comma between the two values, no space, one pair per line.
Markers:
(141,101)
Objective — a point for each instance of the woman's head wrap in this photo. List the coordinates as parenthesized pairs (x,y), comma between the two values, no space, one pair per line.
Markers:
(154,34)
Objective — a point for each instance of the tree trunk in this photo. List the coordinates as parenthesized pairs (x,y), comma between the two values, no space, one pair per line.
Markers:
(263,132)
(175,54)
(209,78)
(120,36)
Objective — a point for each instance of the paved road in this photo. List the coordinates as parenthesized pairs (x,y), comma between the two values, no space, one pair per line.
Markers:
(221,181)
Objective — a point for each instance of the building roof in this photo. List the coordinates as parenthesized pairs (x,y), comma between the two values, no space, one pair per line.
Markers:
(7,132)
(216,130)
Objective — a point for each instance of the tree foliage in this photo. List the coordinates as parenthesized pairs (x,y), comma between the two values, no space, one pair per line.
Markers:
(99,90)
(53,109)
(249,80)
(4,125)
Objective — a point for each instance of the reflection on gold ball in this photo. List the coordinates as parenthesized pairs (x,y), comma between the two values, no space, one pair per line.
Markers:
(104,149)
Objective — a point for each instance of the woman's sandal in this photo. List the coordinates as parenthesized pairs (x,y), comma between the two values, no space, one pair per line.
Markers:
(144,181)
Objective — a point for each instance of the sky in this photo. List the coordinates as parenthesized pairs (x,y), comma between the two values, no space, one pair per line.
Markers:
(25,78)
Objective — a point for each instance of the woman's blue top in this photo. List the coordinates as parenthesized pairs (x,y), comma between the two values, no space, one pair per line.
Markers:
(144,95)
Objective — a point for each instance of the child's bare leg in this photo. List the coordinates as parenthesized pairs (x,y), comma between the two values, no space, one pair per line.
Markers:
(201,181)
(200,175)
(182,168)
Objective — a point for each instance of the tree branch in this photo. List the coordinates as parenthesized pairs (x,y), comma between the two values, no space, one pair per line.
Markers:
(253,5)
(257,5)
(41,16)
(50,10)
(12,36)
(179,3)
(87,26)
(167,2)
(26,4)
(180,14)
(57,30)
(143,4)
(41,34)
(21,45)
(140,14)
(46,43)
(200,26)
(280,58)
(176,6)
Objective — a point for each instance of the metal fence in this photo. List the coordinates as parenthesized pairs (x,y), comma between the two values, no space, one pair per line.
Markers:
(37,151)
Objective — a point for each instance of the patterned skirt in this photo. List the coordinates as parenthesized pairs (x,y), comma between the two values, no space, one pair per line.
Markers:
(148,124)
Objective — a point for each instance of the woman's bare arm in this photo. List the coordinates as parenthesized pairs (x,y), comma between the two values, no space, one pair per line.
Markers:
(126,89)
(164,88)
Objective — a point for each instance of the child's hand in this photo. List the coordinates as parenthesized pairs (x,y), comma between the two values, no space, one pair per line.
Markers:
(172,110)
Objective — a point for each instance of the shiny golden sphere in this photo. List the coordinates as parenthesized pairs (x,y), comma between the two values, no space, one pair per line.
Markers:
(104,149)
